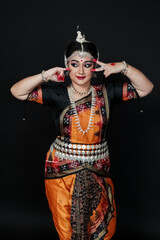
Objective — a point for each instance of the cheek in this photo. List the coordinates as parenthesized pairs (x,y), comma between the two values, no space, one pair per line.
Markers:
(89,72)
(72,73)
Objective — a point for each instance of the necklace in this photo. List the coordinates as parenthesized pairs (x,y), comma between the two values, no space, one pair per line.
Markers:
(73,105)
(81,93)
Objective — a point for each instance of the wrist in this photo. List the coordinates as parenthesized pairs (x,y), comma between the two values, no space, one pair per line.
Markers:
(44,76)
(124,70)
(121,66)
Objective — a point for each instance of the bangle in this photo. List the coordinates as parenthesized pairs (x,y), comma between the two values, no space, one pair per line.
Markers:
(44,79)
(125,68)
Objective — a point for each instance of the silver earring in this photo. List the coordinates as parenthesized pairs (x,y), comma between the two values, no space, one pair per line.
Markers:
(94,75)
(67,73)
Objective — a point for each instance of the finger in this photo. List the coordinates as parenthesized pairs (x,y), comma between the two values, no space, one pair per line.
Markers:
(61,73)
(61,69)
(98,62)
(60,78)
(100,69)
(55,78)
(106,74)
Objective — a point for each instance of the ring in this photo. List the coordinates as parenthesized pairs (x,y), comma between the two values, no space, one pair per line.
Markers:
(102,66)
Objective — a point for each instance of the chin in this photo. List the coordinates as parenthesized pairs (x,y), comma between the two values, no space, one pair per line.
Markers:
(81,82)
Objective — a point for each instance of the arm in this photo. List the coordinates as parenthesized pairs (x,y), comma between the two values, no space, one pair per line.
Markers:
(140,82)
(22,88)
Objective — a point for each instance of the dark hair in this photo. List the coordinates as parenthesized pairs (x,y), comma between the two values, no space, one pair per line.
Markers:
(88,47)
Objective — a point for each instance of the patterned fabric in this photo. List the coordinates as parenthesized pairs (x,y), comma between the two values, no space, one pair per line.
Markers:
(36,95)
(128,92)
(88,199)
(57,167)
(92,206)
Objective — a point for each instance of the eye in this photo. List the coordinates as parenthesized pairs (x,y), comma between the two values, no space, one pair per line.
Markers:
(88,65)
(74,64)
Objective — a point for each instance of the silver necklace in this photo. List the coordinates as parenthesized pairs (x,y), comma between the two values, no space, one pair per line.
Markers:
(73,105)
(81,93)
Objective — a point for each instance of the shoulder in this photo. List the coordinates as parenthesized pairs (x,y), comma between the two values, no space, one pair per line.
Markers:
(54,88)
(52,93)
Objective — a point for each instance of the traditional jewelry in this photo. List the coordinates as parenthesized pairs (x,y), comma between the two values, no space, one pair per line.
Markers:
(94,75)
(125,68)
(82,152)
(73,105)
(81,39)
(44,79)
(81,93)
(81,54)
(103,67)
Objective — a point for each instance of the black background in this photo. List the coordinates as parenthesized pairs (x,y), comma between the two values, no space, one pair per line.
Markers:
(34,35)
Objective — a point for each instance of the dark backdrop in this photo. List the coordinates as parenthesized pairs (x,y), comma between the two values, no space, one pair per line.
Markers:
(34,36)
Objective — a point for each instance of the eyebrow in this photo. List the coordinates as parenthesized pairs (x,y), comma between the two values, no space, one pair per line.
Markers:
(78,61)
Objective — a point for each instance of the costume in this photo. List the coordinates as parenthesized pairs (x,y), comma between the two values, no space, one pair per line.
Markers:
(78,187)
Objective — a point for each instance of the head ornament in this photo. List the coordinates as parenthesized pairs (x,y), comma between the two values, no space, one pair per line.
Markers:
(81,53)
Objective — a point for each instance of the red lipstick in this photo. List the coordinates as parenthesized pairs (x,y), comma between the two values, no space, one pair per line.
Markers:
(81,77)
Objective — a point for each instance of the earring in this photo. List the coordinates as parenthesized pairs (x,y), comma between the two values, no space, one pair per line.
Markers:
(66,73)
(94,75)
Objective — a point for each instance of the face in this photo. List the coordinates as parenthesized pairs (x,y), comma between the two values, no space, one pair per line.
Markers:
(80,70)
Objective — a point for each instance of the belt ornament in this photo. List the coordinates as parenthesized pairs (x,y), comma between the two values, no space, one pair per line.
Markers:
(81,152)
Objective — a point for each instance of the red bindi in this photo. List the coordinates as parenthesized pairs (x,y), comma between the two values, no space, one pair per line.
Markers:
(81,60)
(113,64)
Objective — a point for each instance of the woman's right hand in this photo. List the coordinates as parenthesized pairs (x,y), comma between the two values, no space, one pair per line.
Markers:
(22,88)
(55,74)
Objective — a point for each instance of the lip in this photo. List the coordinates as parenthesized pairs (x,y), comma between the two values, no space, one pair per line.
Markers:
(80,77)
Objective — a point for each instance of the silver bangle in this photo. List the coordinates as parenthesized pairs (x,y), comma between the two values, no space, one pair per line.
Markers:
(125,68)
(44,79)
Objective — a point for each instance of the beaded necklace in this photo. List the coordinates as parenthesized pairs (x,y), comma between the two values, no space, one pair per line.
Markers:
(93,103)
(81,93)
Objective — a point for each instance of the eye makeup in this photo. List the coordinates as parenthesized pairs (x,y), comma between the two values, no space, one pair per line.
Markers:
(86,64)
(74,64)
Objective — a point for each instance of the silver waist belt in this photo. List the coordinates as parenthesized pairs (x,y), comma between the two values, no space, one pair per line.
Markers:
(81,152)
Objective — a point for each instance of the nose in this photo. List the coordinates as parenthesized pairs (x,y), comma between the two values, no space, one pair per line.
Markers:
(81,70)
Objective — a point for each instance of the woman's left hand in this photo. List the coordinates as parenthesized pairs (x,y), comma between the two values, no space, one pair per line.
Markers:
(108,68)
(139,81)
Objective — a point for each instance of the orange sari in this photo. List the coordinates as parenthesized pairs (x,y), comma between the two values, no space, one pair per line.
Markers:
(69,211)
(81,194)
(59,194)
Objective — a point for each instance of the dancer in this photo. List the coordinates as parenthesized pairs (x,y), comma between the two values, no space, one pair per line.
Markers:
(78,186)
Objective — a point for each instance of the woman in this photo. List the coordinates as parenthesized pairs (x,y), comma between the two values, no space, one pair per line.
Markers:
(78,186)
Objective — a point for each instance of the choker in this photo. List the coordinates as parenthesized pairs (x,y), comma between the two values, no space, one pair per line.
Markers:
(81,93)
